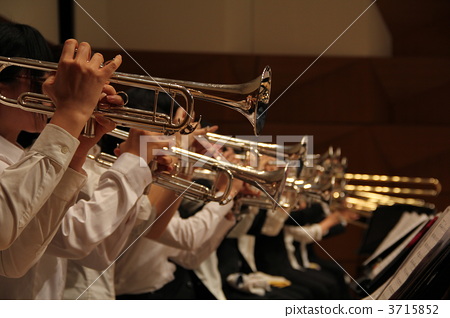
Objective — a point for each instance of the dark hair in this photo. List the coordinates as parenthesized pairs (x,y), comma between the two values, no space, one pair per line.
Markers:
(19,40)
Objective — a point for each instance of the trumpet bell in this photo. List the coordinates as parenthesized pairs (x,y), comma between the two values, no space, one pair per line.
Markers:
(251,99)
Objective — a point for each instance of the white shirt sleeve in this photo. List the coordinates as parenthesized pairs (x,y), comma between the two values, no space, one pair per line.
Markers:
(28,248)
(110,248)
(191,233)
(193,259)
(199,235)
(89,222)
(26,185)
(305,234)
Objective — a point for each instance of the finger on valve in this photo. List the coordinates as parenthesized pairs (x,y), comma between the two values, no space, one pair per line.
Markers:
(77,85)
(109,98)
(163,163)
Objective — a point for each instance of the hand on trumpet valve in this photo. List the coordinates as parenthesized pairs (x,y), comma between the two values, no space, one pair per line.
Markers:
(249,190)
(153,149)
(267,163)
(162,163)
(200,145)
(77,84)
(109,98)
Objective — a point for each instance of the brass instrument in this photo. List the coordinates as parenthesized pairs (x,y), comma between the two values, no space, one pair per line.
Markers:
(285,199)
(287,152)
(190,190)
(328,181)
(252,101)
(429,186)
(269,182)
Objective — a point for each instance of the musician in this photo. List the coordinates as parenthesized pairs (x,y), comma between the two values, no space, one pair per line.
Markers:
(147,270)
(95,225)
(271,250)
(39,185)
(236,256)
(156,268)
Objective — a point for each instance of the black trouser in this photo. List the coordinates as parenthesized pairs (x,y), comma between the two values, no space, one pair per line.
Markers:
(180,288)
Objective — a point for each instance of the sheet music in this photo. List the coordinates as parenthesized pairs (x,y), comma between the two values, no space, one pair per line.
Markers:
(389,258)
(377,292)
(439,231)
(408,222)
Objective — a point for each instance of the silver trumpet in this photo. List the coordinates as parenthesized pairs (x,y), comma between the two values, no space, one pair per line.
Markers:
(287,152)
(189,190)
(285,199)
(250,99)
(269,182)
(328,181)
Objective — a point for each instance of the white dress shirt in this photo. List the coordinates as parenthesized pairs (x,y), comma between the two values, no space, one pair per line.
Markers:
(89,284)
(94,229)
(305,235)
(36,189)
(208,273)
(145,267)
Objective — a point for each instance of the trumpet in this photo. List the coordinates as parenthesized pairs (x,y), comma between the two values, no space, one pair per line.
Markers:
(328,181)
(285,199)
(189,190)
(269,182)
(252,99)
(417,186)
(287,152)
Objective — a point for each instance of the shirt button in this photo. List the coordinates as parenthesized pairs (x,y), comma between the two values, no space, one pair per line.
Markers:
(64,149)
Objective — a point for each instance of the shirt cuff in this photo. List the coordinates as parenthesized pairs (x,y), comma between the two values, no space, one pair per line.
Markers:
(57,144)
(135,169)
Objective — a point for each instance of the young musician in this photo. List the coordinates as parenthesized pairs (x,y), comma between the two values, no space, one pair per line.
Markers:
(44,180)
(95,228)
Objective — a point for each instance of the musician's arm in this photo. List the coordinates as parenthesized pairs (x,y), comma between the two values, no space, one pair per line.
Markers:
(89,222)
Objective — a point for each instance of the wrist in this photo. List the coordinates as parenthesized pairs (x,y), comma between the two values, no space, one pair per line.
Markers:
(77,163)
(71,121)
